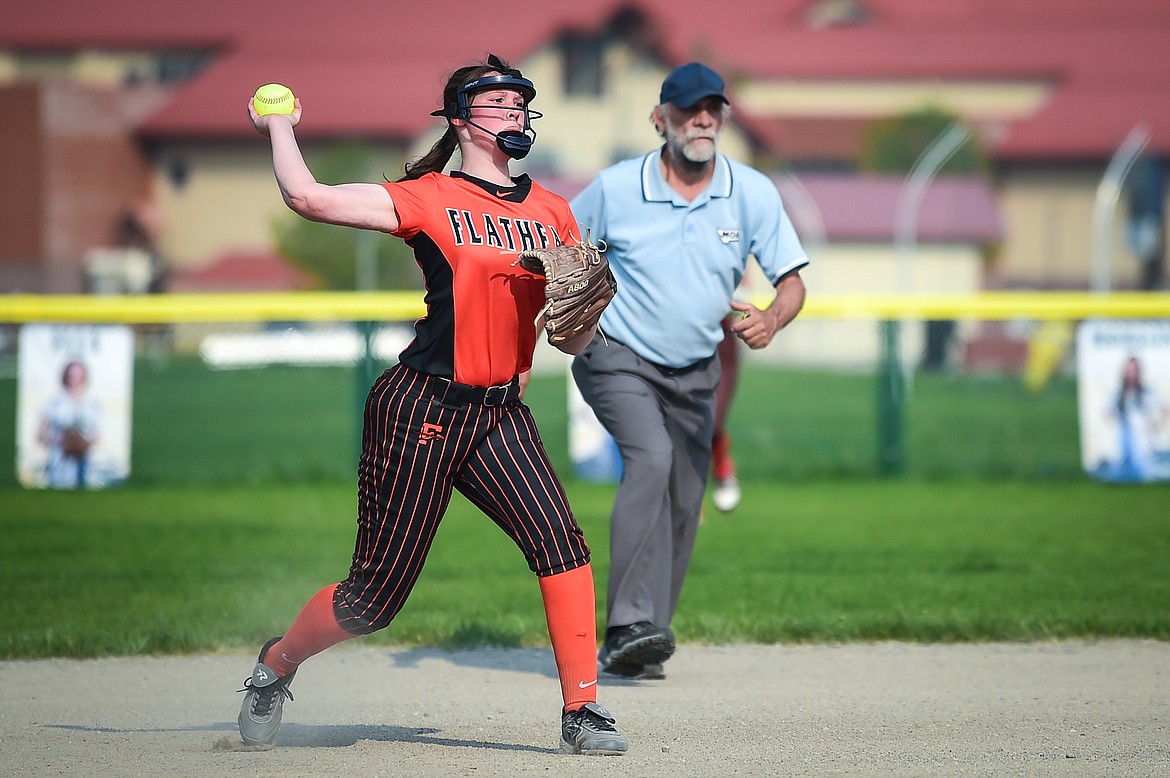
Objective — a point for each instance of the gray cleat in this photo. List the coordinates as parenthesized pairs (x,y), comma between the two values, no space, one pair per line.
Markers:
(591,731)
(263,702)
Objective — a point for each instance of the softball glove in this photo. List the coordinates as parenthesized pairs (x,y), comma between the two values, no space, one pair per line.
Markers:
(578,286)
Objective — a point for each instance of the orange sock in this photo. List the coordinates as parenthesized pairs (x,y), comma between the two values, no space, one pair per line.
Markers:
(722,466)
(314,630)
(571,613)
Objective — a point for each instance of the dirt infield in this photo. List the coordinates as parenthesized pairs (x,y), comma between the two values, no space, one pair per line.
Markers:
(1051,709)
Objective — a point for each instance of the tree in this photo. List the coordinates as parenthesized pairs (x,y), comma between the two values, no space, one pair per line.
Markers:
(894,145)
(331,253)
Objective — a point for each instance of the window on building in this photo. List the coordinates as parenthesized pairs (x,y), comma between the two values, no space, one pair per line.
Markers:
(176,66)
(45,64)
(581,64)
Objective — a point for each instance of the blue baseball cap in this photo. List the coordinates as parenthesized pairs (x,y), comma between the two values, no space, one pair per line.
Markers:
(690,83)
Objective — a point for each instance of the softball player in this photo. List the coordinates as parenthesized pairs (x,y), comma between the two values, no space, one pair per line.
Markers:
(448,416)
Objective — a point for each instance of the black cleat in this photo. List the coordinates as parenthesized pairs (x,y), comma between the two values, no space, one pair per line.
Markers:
(628,650)
(591,731)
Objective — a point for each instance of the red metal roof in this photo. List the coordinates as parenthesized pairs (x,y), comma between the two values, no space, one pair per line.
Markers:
(373,68)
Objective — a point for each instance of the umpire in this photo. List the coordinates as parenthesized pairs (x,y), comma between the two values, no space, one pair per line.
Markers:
(680,223)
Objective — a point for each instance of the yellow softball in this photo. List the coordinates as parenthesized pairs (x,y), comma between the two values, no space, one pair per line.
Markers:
(273,98)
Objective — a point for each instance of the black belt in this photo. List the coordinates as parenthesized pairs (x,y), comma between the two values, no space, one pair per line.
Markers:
(447,390)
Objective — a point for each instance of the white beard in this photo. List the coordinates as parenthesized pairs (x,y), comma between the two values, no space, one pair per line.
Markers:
(699,151)
(696,148)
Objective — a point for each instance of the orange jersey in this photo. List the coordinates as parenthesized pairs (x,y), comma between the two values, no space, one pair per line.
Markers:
(465,232)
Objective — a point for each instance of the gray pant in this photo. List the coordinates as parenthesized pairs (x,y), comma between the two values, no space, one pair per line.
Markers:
(661,420)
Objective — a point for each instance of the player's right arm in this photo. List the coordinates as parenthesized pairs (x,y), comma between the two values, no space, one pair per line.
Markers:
(366,206)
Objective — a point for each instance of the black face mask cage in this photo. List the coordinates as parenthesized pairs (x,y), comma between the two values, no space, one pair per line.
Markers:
(463,98)
(515,144)
(465,113)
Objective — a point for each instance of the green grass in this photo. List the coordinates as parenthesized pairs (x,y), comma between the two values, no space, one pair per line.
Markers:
(192,425)
(241,501)
(163,570)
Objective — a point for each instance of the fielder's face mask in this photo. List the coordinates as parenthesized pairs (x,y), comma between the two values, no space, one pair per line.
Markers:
(515,143)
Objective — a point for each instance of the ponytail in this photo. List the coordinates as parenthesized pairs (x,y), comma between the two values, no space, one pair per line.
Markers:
(434,160)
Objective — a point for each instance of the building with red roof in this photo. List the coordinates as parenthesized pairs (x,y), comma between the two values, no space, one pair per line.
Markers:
(104,105)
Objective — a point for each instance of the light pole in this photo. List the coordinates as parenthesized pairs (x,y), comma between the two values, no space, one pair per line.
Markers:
(891,378)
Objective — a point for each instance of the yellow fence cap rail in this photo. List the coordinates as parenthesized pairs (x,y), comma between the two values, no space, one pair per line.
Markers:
(407,306)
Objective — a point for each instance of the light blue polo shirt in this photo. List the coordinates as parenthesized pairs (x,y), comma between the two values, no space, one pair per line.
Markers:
(677,264)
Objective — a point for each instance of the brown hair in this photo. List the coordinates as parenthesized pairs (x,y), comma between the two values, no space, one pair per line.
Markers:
(69,368)
(440,154)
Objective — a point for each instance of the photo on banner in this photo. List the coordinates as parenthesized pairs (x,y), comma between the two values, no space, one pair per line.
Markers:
(1123,395)
(74,405)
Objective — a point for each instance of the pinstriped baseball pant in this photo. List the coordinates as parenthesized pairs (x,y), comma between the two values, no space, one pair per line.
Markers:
(417,448)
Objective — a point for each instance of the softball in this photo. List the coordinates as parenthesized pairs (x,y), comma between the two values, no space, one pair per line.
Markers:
(273,98)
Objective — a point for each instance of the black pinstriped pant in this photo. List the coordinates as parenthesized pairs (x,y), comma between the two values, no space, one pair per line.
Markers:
(418,445)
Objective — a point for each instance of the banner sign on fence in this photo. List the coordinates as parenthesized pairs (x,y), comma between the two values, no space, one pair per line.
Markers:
(1123,393)
(74,405)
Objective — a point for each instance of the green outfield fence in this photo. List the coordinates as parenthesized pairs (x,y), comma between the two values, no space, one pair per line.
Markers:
(160,321)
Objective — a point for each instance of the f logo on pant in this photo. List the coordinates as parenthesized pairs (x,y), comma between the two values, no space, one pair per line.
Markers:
(428,433)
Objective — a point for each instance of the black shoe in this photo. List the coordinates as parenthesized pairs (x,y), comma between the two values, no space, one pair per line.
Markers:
(627,650)
(591,731)
(652,672)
